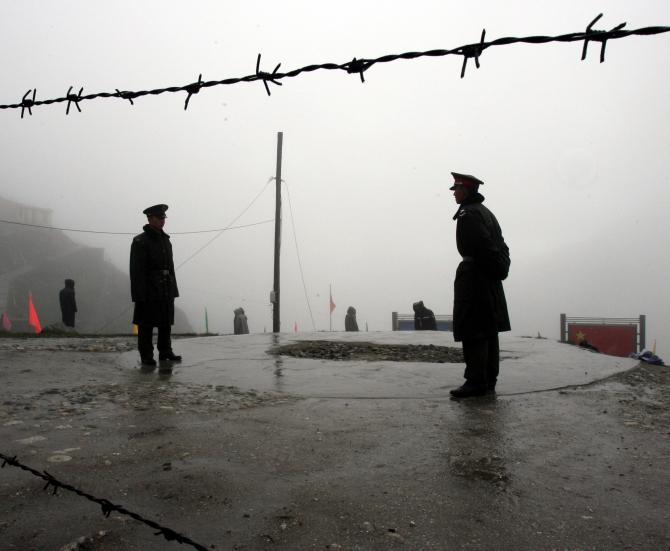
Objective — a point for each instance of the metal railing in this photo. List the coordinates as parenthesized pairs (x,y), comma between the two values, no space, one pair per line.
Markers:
(405,322)
(639,322)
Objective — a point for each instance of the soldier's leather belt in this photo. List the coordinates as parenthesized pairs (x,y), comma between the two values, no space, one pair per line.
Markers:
(161,272)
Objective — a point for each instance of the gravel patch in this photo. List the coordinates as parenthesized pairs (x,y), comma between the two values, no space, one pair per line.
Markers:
(368,351)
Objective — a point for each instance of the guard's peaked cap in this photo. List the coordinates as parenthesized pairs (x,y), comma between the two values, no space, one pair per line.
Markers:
(155,210)
(467,180)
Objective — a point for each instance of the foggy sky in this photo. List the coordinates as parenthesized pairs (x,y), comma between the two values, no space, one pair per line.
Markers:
(573,153)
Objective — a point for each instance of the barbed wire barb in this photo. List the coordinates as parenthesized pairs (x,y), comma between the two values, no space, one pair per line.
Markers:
(28,103)
(472,51)
(125,95)
(8,460)
(267,77)
(73,98)
(599,36)
(107,507)
(51,481)
(192,89)
(358,66)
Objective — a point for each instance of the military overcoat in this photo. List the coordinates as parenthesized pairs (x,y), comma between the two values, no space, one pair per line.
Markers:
(350,323)
(480,307)
(153,285)
(424,318)
(68,303)
(240,322)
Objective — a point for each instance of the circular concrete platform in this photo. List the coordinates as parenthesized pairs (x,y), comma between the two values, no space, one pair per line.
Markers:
(243,361)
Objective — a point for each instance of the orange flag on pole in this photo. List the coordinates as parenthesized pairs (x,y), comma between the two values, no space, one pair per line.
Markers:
(33,318)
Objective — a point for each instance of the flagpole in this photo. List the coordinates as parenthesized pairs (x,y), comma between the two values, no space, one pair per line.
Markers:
(330,308)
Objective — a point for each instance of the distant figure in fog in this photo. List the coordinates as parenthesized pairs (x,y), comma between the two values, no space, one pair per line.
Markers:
(240,325)
(581,341)
(350,323)
(424,319)
(68,304)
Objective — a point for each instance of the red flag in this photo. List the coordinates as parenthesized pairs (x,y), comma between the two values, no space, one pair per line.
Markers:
(295,327)
(332,304)
(6,324)
(33,318)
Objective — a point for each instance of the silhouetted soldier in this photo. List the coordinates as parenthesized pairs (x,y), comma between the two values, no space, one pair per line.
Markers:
(240,325)
(480,308)
(68,304)
(153,287)
(424,319)
(350,323)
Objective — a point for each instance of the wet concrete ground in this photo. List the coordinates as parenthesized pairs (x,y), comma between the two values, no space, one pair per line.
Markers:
(237,456)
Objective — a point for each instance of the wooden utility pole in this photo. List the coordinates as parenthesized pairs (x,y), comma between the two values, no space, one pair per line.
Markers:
(275,310)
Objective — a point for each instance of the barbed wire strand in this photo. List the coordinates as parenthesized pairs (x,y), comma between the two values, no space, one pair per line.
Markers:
(355,66)
(135,233)
(297,252)
(107,506)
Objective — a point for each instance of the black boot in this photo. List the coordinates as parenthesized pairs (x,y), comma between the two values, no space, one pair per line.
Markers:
(147,364)
(169,356)
(468,390)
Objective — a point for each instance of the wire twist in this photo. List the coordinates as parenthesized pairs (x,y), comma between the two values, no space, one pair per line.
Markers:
(125,95)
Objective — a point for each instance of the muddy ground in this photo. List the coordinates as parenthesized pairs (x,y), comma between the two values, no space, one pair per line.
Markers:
(577,468)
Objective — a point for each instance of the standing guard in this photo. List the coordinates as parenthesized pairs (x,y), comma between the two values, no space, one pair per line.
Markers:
(68,303)
(350,323)
(480,308)
(240,324)
(153,289)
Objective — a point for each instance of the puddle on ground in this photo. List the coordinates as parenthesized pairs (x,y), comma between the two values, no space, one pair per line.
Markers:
(487,468)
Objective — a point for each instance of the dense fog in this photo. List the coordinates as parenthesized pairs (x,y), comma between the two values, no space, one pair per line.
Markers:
(573,153)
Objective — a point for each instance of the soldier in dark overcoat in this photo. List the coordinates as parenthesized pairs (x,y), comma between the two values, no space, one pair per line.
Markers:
(153,287)
(68,304)
(240,322)
(424,319)
(350,323)
(480,308)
